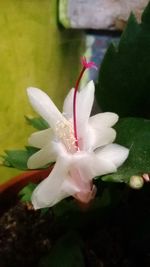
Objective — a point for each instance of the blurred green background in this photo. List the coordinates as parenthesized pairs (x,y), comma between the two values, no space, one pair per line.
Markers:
(34,51)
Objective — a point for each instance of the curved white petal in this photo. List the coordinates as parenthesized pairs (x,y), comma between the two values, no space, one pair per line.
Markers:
(69,186)
(100,166)
(91,165)
(46,155)
(85,101)
(44,106)
(98,137)
(103,120)
(50,191)
(103,137)
(81,161)
(113,153)
(81,184)
(41,138)
(68,104)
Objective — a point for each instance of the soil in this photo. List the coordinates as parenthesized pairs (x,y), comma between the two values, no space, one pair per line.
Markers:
(118,237)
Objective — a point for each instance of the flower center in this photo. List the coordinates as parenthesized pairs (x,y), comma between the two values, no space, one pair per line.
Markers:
(86,65)
(65,132)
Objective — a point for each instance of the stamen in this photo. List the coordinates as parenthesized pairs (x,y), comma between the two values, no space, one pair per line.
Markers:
(86,65)
(65,132)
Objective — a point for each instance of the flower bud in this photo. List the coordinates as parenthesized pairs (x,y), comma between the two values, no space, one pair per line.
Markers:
(136,182)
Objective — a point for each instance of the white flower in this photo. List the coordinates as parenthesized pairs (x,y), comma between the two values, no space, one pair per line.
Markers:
(77,161)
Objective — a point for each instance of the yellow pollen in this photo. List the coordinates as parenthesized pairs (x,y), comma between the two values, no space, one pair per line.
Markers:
(65,132)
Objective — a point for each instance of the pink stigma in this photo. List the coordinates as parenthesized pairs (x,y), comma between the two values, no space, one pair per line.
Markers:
(86,65)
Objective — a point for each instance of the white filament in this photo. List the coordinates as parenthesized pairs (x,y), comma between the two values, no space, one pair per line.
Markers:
(65,132)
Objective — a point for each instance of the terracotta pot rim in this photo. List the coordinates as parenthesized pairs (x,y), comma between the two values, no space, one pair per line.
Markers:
(13,186)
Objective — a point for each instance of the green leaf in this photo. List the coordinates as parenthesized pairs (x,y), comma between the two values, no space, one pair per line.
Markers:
(26,192)
(18,158)
(124,78)
(135,134)
(38,123)
(31,150)
(67,252)
(44,211)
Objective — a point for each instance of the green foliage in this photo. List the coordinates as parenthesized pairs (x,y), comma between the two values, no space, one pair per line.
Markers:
(67,252)
(25,196)
(124,79)
(26,192)
(133,133)
(38,123)
(44,211)
(18,158)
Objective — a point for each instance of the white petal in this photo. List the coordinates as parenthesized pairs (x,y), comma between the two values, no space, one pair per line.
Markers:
(50,191)
(108,159)
(113,153)
(85,101)
(46,155)
(41,138)
(69,186)
(102,137)
(100,166)
(68,104)
(98,137)
(80,185)
(102,120)
(49,153)
(91,165)
(44,106)
(81,161)
(98,131)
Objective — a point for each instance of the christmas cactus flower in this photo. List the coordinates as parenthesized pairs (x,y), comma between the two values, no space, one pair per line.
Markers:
(80,144)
